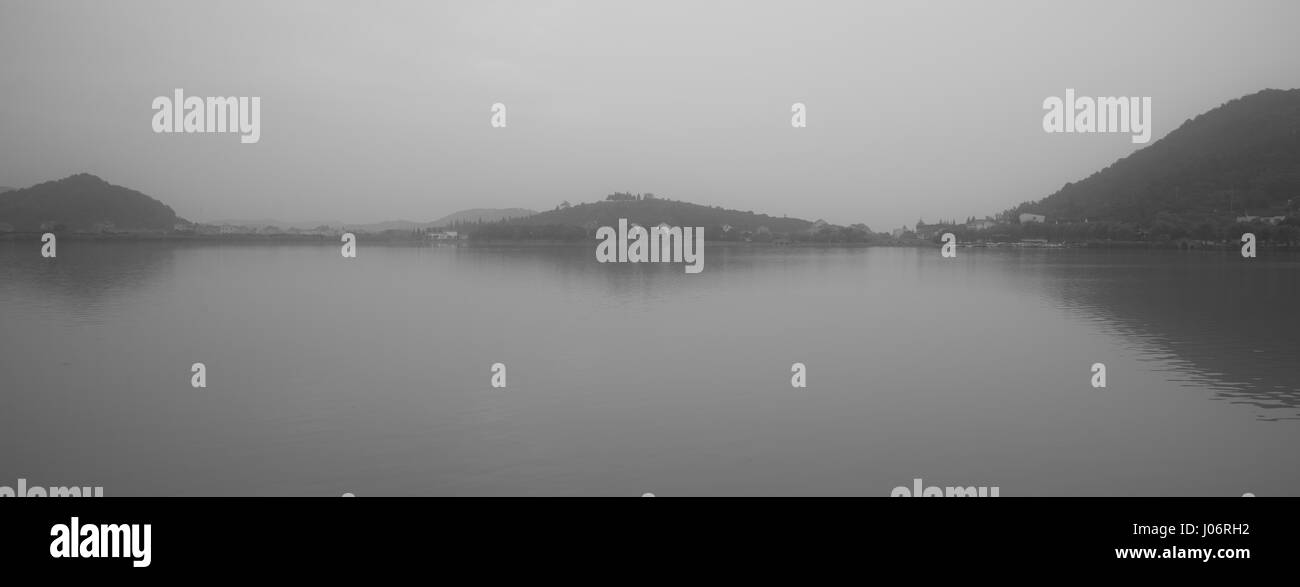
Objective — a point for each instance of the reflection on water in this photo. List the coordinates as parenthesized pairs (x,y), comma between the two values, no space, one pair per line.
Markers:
(1216,320)
(370,375)
(84,280)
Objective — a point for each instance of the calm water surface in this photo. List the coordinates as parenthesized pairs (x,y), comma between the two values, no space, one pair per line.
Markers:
(371,375)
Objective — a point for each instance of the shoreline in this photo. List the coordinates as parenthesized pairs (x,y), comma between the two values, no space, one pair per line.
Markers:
(390,240)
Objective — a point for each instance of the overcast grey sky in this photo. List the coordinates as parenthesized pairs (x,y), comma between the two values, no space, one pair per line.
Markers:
(380,110)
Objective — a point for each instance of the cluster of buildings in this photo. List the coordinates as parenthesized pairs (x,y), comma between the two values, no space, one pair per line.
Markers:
(925,231)
(930,231)
(442,235)
(1273,220)
(239,229)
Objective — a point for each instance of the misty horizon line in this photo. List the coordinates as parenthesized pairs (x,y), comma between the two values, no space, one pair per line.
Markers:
(524,211)
(272,221)
(336,223)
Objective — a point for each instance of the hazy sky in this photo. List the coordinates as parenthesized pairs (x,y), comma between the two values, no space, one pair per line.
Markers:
(380,110)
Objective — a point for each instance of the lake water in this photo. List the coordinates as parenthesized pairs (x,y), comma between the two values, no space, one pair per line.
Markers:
(372,375)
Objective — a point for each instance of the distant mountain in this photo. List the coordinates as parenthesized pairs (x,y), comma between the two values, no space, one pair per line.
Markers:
(654,211)
(576,223)
(383,226)
(84,202)
(471,216)
(480,215)
(4,189)
(265,222)
(1240,158)
(474,215)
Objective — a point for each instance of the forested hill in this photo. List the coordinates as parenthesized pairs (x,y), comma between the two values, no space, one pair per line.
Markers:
(1240,158)
(481,215)
(652,211)
(83,202)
